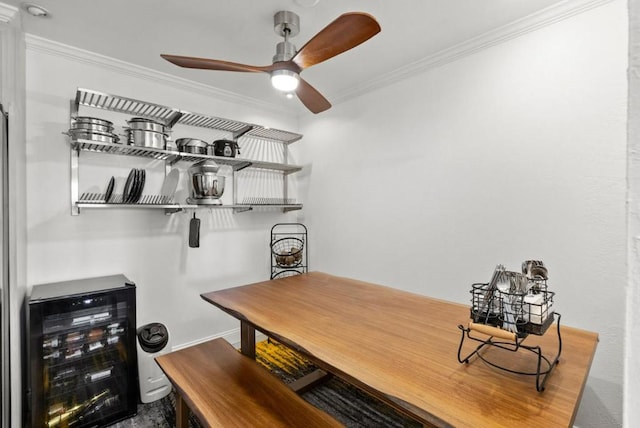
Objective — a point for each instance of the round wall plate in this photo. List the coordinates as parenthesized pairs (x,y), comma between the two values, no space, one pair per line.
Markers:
(286,20)
(307,3)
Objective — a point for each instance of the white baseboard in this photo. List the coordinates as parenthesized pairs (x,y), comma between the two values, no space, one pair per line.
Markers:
(231,336)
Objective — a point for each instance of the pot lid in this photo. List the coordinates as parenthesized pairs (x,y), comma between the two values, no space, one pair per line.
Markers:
(204,166)
(144,119)
(93,120)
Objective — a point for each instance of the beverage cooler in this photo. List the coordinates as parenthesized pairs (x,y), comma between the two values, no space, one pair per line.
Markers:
(82,358)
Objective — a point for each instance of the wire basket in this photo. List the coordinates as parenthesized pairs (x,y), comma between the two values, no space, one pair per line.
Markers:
(286,273)
(287,251)
(518,312)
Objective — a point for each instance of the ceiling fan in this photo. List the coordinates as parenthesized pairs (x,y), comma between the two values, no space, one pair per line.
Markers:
(345,32)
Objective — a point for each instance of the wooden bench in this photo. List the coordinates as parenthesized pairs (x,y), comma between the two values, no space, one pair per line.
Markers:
(224,388)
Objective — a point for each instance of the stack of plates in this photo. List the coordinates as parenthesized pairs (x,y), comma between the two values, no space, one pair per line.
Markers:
(133,186)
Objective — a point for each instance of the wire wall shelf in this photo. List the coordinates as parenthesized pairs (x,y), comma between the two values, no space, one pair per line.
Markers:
(173,156)
(172,116)
(259,139)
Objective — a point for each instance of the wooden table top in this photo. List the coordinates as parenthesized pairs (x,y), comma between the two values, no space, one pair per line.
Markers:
(402,348)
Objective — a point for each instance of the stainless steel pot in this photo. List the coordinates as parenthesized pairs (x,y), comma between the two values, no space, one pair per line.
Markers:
(93,124)
(144,124)
(84,134)
(141,138)
(93,127)
(205,182)
(192,145)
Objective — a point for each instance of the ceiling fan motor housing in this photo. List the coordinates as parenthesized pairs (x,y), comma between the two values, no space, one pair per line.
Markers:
(284,51)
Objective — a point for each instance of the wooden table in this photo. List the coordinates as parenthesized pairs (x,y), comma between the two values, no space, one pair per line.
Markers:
(402,348)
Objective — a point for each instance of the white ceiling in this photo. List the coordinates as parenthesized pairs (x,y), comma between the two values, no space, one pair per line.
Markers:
(138,31)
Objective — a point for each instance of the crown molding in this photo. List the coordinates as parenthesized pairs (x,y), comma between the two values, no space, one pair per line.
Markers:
(543,18)
(7,12)
(50,47)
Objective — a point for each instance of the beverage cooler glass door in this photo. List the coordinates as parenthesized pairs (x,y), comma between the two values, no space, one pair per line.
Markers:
(83,363)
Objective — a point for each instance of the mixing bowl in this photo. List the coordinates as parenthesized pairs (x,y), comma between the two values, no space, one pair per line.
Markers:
(205,182)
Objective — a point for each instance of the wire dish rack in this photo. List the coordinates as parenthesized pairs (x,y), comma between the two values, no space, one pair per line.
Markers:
(508,315)
(289,250)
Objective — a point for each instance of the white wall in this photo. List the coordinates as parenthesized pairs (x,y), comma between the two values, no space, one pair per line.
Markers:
(146,245)
(632,366)
(516,152)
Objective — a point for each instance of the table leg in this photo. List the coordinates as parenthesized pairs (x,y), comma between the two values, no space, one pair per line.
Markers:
(247,340)
(182,412)
(310,381)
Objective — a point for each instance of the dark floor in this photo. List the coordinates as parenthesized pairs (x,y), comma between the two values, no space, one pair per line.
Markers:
(159,414)
(349,405)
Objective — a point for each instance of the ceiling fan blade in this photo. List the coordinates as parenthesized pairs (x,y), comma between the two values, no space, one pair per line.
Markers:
(346,32)
(311,98)
(214,64)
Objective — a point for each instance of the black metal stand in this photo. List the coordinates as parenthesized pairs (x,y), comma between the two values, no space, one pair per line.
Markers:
(544,367)
(289,250)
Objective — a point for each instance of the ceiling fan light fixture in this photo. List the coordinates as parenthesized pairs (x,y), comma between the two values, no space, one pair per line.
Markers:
(285,80)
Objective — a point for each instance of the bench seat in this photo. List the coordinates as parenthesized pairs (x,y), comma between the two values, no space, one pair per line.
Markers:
(224,388)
